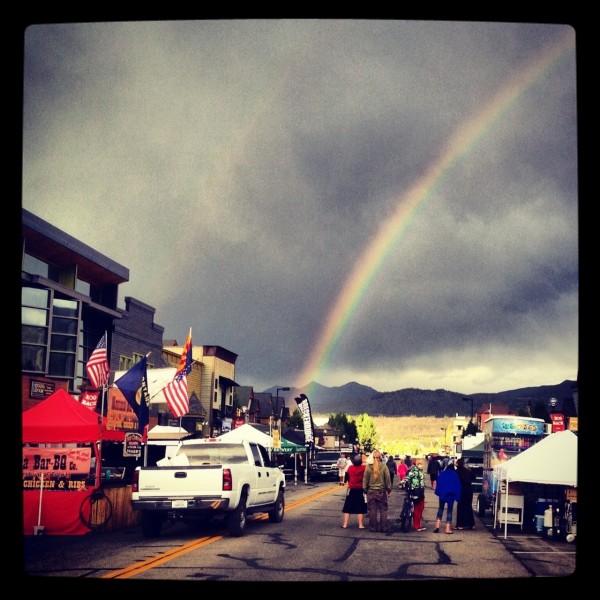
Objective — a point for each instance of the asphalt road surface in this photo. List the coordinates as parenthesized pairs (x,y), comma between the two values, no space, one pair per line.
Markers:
(309,545)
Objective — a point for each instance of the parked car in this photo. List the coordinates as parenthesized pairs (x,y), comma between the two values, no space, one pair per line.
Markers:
(324,466)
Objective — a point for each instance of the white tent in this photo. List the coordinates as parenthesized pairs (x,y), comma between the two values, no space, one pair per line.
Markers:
(167,432)
(247,432)
(552,461)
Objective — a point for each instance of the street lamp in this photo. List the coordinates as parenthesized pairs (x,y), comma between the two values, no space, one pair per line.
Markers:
(444,429)
(276,410)
(467,400)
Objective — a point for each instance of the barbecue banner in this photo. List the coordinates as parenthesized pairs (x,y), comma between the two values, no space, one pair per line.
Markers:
(60,469)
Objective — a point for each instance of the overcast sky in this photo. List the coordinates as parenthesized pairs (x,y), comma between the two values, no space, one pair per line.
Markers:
(388,202)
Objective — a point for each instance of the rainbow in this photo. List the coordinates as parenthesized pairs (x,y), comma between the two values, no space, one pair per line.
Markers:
(377,252)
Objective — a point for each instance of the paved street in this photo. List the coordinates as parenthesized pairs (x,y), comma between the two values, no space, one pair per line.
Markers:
(309,545)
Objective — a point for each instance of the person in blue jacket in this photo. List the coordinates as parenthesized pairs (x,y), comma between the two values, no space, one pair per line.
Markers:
(448,490)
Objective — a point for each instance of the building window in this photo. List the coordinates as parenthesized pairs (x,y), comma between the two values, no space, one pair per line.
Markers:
(34,266)
(83,287)
(125,363)
(34,329)
(63,338)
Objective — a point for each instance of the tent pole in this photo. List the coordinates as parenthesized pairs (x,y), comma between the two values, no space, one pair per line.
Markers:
(506,503)
(41,490)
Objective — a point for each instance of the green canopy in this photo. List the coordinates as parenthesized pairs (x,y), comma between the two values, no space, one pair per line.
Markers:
(288,447)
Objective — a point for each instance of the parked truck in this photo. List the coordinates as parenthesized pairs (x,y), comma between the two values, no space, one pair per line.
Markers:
(206,479)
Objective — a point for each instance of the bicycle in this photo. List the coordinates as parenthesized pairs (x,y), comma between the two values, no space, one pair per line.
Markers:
(406,514)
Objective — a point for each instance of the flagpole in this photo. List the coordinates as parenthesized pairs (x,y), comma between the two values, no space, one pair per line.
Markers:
(104,384)
(102,404)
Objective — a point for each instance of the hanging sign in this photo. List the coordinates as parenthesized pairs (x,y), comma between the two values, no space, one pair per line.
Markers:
(64,469)
(133,444)
(89,399)
(558,422)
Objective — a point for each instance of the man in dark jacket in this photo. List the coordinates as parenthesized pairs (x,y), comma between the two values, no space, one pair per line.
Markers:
(433,469)
(393,468)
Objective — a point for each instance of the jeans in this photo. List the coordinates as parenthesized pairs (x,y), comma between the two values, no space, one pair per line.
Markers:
(450,508)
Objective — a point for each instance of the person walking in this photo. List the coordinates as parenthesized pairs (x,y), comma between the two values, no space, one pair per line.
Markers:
(448,491)
(355,504)
(415,484)
(391,465)
(402,470)
(465,518)
(342,463)
(433,470)
(378,487)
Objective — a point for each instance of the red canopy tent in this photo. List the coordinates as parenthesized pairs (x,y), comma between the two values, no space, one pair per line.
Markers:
(60,419)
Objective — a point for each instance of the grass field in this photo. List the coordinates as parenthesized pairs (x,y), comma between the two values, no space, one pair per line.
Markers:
(416,436)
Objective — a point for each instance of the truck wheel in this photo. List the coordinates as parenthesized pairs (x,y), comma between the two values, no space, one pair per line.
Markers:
(481,506)
(276,515)
(236,521)
(151,523)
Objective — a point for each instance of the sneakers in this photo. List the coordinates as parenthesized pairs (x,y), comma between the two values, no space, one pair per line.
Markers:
(421,529)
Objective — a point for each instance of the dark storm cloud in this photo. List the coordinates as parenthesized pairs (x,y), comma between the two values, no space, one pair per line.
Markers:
(239,169)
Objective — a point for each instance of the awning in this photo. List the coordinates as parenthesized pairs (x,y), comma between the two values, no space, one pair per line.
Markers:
(288,447)
(226,382)
(167,432)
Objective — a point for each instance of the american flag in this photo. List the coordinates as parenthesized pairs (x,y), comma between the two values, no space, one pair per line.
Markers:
(176,392)
(97,366)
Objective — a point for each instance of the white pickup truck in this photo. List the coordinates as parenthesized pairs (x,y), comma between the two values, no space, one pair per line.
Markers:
(207,478)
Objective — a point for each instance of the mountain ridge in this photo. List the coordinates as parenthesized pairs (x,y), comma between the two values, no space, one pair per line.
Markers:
(354,398)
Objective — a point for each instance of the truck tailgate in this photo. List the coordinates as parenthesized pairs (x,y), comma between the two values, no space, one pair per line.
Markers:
(163,482)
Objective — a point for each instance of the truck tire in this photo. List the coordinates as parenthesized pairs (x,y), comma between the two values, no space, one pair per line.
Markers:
(236,520)
(276,515)
(151,523)
(481,506)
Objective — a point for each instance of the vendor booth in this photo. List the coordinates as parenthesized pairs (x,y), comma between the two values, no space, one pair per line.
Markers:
(552,462)
(61,465)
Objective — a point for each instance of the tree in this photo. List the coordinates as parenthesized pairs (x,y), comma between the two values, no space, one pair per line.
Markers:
(470,429)
(540,411)
(367,433)
(345,427)
(295,420)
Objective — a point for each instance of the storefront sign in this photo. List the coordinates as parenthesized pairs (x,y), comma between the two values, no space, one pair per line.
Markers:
(60,469)
(89,399)
(41,389)
(558,422)
(133,444)
(120,415)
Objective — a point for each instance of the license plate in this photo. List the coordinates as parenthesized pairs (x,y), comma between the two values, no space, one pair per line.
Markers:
(179,504)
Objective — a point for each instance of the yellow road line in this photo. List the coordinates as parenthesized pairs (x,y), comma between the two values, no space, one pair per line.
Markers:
(163,557)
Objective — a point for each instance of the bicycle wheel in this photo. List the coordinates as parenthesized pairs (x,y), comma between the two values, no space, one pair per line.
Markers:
(407,517)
